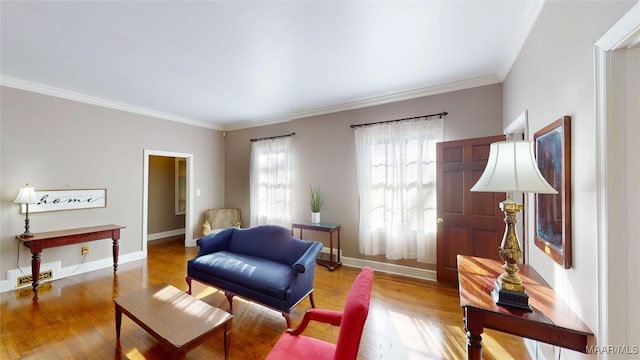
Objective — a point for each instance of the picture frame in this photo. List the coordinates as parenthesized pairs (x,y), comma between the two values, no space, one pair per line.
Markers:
(553,211)
(56,200)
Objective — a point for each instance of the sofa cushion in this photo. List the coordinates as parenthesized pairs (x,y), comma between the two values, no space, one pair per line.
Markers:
(268,242)
(262,275)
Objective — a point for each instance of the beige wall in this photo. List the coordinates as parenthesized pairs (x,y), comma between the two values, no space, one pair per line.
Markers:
(324,153)
(552,77)
(52,143)
(162,205)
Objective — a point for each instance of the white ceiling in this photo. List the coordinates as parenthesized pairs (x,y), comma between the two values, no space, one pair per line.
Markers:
(228,65)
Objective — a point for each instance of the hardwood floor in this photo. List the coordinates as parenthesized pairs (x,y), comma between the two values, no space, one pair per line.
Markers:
(73,318)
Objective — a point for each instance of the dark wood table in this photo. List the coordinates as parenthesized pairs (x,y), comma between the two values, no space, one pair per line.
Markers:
(179,321)
(324,227)
(44,240)
(552,321)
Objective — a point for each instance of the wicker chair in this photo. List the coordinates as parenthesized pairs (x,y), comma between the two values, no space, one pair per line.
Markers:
(215,220)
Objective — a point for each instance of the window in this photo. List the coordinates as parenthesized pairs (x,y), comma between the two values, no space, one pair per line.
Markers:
(396,168)
(270,182)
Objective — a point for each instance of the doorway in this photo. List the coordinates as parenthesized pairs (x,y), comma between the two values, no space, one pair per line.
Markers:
(188,205)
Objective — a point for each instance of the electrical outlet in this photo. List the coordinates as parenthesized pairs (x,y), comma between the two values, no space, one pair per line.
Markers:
(84,250)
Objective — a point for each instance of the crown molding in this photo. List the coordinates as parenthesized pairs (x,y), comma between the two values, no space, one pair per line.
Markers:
(93,100)
(526,22)
(351,105)
(368,102)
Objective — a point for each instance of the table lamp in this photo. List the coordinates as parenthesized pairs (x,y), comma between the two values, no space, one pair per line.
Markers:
(26,196)
(511,167)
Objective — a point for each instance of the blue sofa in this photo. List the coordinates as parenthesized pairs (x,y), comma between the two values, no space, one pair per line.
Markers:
(264,264)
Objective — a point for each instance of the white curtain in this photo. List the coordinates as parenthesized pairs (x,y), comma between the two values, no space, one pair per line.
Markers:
(396,169)
(270,182)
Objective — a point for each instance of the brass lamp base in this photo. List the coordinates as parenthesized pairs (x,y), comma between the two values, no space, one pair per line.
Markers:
(508,289)
(510,298)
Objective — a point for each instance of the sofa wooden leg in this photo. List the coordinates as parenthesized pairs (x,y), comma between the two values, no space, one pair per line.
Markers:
(188,279)
(287,319)
(313,305)
(230,300)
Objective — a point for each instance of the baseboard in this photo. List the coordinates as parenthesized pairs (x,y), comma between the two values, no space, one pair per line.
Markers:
(60,272)
(408,271)
(165,234)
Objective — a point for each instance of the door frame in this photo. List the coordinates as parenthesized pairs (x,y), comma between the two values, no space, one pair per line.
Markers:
(188,231)
(614,215)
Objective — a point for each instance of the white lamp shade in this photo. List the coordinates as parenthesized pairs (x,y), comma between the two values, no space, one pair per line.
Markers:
(27,195)
(512,167)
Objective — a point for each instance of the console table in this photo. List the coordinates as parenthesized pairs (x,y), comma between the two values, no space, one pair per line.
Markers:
(552,321)
(324,227)
(44,240)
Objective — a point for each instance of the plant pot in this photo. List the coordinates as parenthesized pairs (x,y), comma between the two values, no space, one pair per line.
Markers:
(315,217)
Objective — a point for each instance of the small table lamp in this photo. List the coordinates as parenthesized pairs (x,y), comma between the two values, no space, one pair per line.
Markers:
(511,167)
(26,196)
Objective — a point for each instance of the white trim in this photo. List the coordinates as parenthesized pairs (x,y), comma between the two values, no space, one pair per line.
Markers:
(527,20)
(188,236)
(351,105)
(601,192)
(623,33)
(402,270)
(94,100)
(519,125)
(367,102)
(76,269)
(620,35)
(165,234)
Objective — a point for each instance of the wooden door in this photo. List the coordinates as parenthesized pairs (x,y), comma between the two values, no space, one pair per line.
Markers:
(469,223)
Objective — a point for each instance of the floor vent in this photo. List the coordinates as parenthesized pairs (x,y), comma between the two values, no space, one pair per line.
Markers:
(28,279)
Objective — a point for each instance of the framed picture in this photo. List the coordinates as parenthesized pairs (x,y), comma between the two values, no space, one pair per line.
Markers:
(54,200)
(553,211)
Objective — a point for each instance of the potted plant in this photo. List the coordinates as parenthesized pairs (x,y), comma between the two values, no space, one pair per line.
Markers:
(316,204)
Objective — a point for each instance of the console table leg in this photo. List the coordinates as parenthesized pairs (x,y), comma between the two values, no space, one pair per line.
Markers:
(116,247)
(474,346)
(35,270)
(473,326)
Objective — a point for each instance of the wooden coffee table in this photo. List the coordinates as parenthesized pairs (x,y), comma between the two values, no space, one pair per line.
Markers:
(177,320)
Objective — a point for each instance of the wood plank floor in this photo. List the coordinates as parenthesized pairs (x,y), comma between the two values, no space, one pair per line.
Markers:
(73,318)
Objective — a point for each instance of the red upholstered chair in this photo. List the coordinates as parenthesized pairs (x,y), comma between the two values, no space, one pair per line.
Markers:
(292,345)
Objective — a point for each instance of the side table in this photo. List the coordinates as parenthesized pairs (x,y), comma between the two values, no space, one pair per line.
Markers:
(330,264)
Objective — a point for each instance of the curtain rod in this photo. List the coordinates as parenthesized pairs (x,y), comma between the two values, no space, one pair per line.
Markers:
(441,115)
(272,137)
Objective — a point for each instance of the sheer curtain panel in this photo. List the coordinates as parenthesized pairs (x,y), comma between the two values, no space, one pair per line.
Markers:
(270,182)
(396,169)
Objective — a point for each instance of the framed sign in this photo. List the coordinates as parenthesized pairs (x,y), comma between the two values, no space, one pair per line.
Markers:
(54,200)
(553,211)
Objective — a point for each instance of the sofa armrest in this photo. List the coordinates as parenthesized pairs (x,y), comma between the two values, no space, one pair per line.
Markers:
(214,242)
(308,258)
